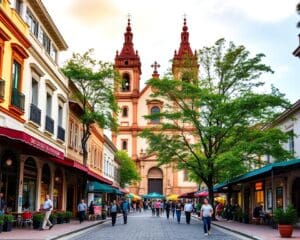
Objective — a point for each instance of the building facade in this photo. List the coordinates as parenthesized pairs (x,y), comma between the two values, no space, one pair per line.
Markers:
(135,103)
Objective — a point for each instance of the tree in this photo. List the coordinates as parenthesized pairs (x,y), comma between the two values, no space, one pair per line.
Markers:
(128,171)
(94,80)
(223,110)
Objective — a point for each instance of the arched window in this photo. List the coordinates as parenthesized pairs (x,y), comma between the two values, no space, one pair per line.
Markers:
(29,184)
(124,145)
(125,111)
(46,181)
(58,189)
(125,83)
(155,110)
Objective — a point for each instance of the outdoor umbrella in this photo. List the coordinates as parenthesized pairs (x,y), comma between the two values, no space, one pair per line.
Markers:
(154,195)
(172,197)
(201,194)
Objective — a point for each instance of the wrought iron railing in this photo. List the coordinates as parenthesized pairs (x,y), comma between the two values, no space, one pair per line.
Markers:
(61,133)
(35,114)
(18,99)
(49,124)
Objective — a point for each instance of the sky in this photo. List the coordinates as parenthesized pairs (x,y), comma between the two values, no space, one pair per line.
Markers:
(262,26)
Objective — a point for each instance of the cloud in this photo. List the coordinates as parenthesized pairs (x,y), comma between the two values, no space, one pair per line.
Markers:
(91,12)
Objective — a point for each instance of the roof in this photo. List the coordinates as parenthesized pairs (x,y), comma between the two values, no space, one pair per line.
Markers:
(259,172)
(42,13)
(110,143)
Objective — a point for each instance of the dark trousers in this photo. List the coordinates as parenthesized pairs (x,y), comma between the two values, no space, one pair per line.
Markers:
(168,213)
(157,212)
(188,217)
(173,213)
(153,211)
(206,224)
(178,215)
(113,217)
(81,215)
(125,216)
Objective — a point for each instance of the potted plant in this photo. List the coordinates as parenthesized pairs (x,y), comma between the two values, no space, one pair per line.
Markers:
(8,220)
(67,216)
(53,218)
(1,223)
(37,220)
(60,217)
(285,220)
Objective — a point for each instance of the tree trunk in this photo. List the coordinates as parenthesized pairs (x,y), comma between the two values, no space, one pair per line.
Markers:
(210,187)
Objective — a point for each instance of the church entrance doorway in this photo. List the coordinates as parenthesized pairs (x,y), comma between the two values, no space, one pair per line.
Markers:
(155,180)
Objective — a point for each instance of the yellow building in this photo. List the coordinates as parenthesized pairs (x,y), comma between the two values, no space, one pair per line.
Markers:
(13,54)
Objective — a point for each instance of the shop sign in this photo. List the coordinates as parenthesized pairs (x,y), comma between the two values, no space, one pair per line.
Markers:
(259,186)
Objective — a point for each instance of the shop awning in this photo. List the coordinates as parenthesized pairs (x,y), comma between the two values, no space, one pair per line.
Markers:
(264,171)
(96,187)
(98,177)
(32,141)
(187,195)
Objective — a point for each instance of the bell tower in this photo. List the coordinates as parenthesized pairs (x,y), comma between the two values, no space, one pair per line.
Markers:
(185,61)
(127,92)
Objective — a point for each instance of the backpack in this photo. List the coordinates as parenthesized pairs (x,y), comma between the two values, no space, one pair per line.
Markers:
(114,208)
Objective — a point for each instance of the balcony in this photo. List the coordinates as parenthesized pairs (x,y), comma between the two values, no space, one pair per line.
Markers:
(2,89)
(35,114)
(49,127)
(61,133)
(18,100)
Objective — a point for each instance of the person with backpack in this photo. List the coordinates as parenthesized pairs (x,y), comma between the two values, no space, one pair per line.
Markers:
(114,212)
(178,211)
(125,207)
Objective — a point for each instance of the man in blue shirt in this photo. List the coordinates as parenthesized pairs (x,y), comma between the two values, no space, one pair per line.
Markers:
(82,208)
(125,208)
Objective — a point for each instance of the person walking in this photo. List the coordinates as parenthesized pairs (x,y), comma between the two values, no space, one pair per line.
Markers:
(113,212)
(157,208)
(168,207)
(81,208)
(206,214)
(47,208)
(2,204)
(173,208)
(178,211)
(125,207)
(153,208)
(188,208)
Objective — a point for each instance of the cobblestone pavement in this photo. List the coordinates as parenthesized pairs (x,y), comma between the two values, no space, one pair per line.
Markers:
(142,226)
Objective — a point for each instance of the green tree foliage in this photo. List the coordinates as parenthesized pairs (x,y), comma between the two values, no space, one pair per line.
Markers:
(94,80)
(128,171)
(224,110)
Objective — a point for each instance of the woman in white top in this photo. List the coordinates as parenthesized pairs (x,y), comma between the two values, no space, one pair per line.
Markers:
(206,213)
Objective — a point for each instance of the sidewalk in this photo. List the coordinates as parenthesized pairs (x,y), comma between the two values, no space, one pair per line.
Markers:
(259,232)
(57,231)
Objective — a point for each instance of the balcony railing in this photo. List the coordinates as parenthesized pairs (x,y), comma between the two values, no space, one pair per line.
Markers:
(18,99)
(61,133)
(35,114)
(49,124)
(2,89)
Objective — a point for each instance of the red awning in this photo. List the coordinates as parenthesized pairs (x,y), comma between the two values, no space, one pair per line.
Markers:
(32,141)
(124,190)
(187,195)
(201,194)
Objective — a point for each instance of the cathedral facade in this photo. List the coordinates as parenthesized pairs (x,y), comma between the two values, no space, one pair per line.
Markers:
(134,104)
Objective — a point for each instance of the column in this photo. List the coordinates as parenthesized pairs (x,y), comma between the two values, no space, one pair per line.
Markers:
(20,190)
(38,187)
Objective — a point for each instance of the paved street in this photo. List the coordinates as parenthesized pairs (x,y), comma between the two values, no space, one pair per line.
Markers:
(142,226)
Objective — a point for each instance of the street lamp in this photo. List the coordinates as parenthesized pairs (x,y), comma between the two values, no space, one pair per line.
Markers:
(8,162)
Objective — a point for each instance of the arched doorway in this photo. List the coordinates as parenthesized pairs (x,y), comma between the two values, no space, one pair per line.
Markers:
(296,195)
(9,179)
(155,180)
(29,185)
(58,189)
(46,182)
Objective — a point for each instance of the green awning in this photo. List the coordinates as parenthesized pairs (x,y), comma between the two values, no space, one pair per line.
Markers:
(258,172)
(96,187)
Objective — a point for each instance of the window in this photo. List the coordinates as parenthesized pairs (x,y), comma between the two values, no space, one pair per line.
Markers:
(291,143)
(125,83)
(49,105)
(16,74)
(60,115)
(124,145)
(46,43)
(155,110)
(33,24)
(185,175)
(35,92)
(76,132)
(279,197)
(71,124)
(18,6)
(53,52)
(125,111)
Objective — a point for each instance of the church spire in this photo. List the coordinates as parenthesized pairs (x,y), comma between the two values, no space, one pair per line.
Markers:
(185,48)
(128,57)
(155,67)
